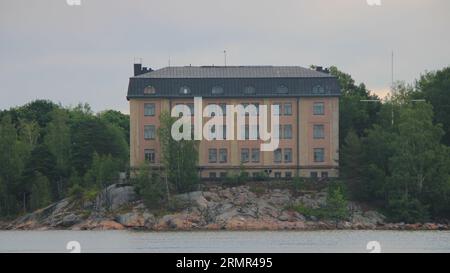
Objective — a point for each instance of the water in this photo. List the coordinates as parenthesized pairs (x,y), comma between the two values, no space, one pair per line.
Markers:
(224,241)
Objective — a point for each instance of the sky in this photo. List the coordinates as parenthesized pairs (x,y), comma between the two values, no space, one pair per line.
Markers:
(71,54)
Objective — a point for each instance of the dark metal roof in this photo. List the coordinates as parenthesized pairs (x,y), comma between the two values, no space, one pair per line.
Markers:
(234,72)
(234,80)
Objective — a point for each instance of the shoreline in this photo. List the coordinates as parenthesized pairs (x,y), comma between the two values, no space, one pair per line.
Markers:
(215,209)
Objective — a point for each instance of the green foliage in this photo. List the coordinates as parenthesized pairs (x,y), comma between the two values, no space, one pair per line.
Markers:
(119,120)
(46,150)
(150,186)
(354,115)
(337,207)
(407,210)
(401,167)
(104,171)
(179,158)
(434,87)
(76,191)
(261,176)
(299,183)
(319,213)
(40,192)
(91,135)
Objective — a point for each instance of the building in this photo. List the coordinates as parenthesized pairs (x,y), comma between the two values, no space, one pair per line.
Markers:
(309,118)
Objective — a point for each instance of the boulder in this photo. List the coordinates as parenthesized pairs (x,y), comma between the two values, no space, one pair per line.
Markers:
(115,196)
(193,198)
(70,220)
(136,220)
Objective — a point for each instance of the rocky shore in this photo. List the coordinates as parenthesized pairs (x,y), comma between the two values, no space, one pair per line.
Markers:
(238,208)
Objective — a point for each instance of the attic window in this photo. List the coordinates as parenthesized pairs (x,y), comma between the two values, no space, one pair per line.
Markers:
(149,90)
(282,89)
(216,90)
(184,90)
(249,90)
(318,89)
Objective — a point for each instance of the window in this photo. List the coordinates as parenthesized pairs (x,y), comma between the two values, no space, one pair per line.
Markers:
(212,175)
(256,104)
(149,109)
(313,175)
(287,109)
(288,175)
(244,155)
(149,155)
(319,154)
(279,108)
(318,89)
(282,89)
(277,156)
(212,155)
(223,155)
(287,131)
(247,132)
(223,175)
(184,90)
(318,131)
(277,174)
(254,132)
(249,90)
(149,90)
(287,155)
(149,132)
(324,174)
(191,108)
(224,108)
(319,108)
(255,155)
(216,90)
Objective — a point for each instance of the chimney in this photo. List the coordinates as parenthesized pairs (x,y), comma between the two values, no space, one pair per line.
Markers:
(139,70)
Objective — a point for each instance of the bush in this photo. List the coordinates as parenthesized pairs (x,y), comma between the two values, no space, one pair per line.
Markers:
(261,176)
(407,210)
(76,192)
(337,207)
(299,184)
(150,187)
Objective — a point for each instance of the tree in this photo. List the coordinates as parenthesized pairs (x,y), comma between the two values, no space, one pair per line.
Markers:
(40,192)
(150,186)
(337,206)
(29,132)
(91,135)
(12,157)
(104,171)
(118,119)
(354,115)
(57,140)
(435,87)
(179,158)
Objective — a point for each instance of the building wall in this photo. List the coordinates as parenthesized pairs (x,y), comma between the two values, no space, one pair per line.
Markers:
(302,142)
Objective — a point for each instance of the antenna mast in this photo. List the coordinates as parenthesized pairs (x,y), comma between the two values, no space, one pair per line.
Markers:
(225,57)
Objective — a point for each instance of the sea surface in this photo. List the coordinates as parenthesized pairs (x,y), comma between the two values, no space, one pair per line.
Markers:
(225,241)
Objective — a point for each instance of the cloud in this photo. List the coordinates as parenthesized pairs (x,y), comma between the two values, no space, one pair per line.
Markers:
(71,54)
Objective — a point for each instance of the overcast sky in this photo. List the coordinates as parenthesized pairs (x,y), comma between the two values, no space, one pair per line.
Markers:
(71,54)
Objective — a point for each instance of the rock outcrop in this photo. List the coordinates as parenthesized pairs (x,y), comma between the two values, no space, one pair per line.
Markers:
(236,208)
